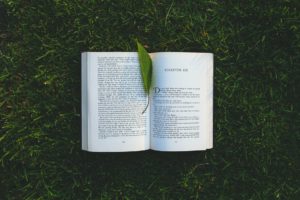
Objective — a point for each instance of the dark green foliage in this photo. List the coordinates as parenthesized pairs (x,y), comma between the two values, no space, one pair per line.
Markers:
(256,46)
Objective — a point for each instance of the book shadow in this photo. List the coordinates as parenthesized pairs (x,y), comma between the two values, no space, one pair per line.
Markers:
(150,165)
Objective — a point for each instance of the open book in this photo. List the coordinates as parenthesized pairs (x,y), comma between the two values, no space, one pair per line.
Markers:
(179,116)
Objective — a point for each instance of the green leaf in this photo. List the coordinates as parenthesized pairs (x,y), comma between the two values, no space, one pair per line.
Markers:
(146,66)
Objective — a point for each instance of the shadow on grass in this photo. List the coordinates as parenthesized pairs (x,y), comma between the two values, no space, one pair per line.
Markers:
(146,166)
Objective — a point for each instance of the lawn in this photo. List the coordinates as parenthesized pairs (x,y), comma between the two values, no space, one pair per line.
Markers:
(256,46)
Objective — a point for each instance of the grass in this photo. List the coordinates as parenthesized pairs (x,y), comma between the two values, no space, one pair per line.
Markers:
(256,47)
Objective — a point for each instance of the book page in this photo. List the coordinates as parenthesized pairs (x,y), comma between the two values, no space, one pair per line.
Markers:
(181,101)
(116,100)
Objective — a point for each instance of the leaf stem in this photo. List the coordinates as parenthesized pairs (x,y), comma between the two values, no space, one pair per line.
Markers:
(146,105)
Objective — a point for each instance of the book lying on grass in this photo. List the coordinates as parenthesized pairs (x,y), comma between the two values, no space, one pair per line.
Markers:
(179,116)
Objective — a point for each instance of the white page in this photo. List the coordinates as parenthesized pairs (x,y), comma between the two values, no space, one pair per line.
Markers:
(116,100)
(181,101)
